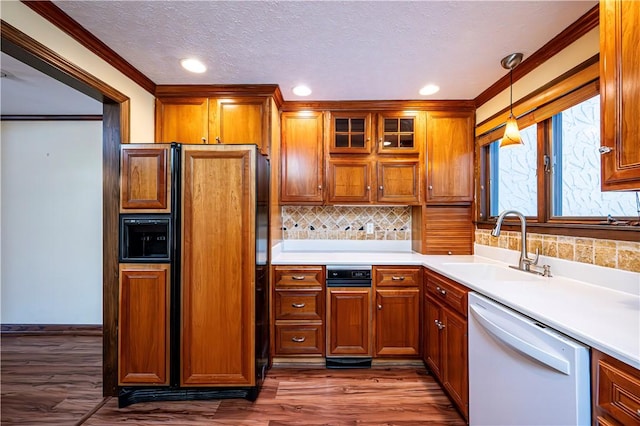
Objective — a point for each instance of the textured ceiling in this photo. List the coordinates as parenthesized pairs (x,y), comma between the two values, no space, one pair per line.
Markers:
(344,50)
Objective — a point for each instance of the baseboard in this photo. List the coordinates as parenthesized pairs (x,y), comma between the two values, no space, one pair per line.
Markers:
(51,329)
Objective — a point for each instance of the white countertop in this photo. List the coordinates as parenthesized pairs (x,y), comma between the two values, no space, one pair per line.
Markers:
(597,306)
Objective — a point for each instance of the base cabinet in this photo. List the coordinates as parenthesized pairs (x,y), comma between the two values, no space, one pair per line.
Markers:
(143,324)
(397,311)
(615,392)
(298,305)
(445,340)
(349,319)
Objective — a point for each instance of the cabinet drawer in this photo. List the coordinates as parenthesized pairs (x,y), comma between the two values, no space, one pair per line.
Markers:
(446,291)
(618,391)
(299,339)
(309,277)
(299,305)
(397,277)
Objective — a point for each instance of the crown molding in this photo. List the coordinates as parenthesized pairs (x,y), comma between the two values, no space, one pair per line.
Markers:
(57,17)
(573,32)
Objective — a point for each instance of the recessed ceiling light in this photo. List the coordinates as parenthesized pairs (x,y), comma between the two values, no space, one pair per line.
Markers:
(301,90)
(193,65)
(429,89)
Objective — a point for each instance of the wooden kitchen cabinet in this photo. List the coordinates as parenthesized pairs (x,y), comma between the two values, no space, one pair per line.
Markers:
(182,119)
(615,391)
(299,301)
(349,181)
(348,321)
(445,341)
(399,181)
(211,120)
(397,311)
(350,133)
(143,324)
(620,94)
(445,229)
(302,170)
(145,182)
(449,157)
(399,132)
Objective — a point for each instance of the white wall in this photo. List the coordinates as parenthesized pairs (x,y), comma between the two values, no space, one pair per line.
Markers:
(51,222)
(141,102)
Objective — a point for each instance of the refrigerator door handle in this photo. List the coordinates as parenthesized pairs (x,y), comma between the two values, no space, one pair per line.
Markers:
(520,345)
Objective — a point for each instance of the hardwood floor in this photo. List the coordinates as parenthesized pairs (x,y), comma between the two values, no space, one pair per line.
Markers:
(56,380)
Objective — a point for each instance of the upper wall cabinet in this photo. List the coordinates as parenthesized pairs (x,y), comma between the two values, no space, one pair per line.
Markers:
(144,178)
(301,158)
(215,114)
(350,133)
(184,120)
(620,94)
(449,157)
(399,132)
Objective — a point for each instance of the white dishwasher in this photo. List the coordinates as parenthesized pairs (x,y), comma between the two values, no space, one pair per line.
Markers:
(522,372)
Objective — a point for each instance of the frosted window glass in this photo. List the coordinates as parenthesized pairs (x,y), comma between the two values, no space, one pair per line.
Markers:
(514,169)
(576,189)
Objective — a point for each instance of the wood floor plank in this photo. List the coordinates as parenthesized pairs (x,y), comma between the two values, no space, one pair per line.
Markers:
(56,380)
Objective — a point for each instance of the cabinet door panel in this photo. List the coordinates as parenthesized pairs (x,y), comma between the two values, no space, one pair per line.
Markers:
(349,181)
(397,322)
(184,120)
(349,316)
(144,179)
(620,93)
(239,121)
(399,182)
(432,352)
(218,258)
(350,133)
(449,157)
(143,325)
(454,360)
(301,158)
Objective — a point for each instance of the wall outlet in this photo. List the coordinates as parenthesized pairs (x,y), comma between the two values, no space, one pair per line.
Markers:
(369,228)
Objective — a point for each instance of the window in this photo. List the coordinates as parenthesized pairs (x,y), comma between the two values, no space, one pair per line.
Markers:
(576,167)
(555,175)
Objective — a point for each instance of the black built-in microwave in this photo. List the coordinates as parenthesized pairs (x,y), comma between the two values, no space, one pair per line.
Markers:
(145,238)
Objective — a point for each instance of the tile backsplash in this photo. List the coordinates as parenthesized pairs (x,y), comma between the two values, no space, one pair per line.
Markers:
(346,222)
(609,253)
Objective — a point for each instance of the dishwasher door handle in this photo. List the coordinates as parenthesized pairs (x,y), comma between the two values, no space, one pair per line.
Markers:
(520,345)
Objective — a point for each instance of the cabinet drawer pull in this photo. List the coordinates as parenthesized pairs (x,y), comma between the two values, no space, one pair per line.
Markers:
(298,305)
(441,291)
(605,149)
(396,278)
(297,277)
(439,324)
(298,339)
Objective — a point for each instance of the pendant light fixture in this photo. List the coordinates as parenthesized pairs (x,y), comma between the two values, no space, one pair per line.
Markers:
(511,131)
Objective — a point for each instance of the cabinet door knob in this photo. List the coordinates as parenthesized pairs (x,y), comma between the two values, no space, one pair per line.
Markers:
(320,187)
(218,139)
(297,277)
(379,307)
(204,140)
(605,149)
(298,339)
(381,187)
(395,278)
(430,187)
(368,188)
(298,305)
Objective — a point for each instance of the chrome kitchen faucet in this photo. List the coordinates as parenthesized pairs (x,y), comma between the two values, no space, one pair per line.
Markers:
(525,263)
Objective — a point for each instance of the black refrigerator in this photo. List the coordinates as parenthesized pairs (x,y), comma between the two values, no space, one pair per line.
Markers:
(212,340)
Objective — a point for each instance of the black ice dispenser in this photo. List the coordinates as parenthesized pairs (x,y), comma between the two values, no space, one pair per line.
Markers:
(145,238)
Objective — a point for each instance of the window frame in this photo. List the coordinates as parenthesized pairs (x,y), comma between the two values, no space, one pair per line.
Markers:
(539,108)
